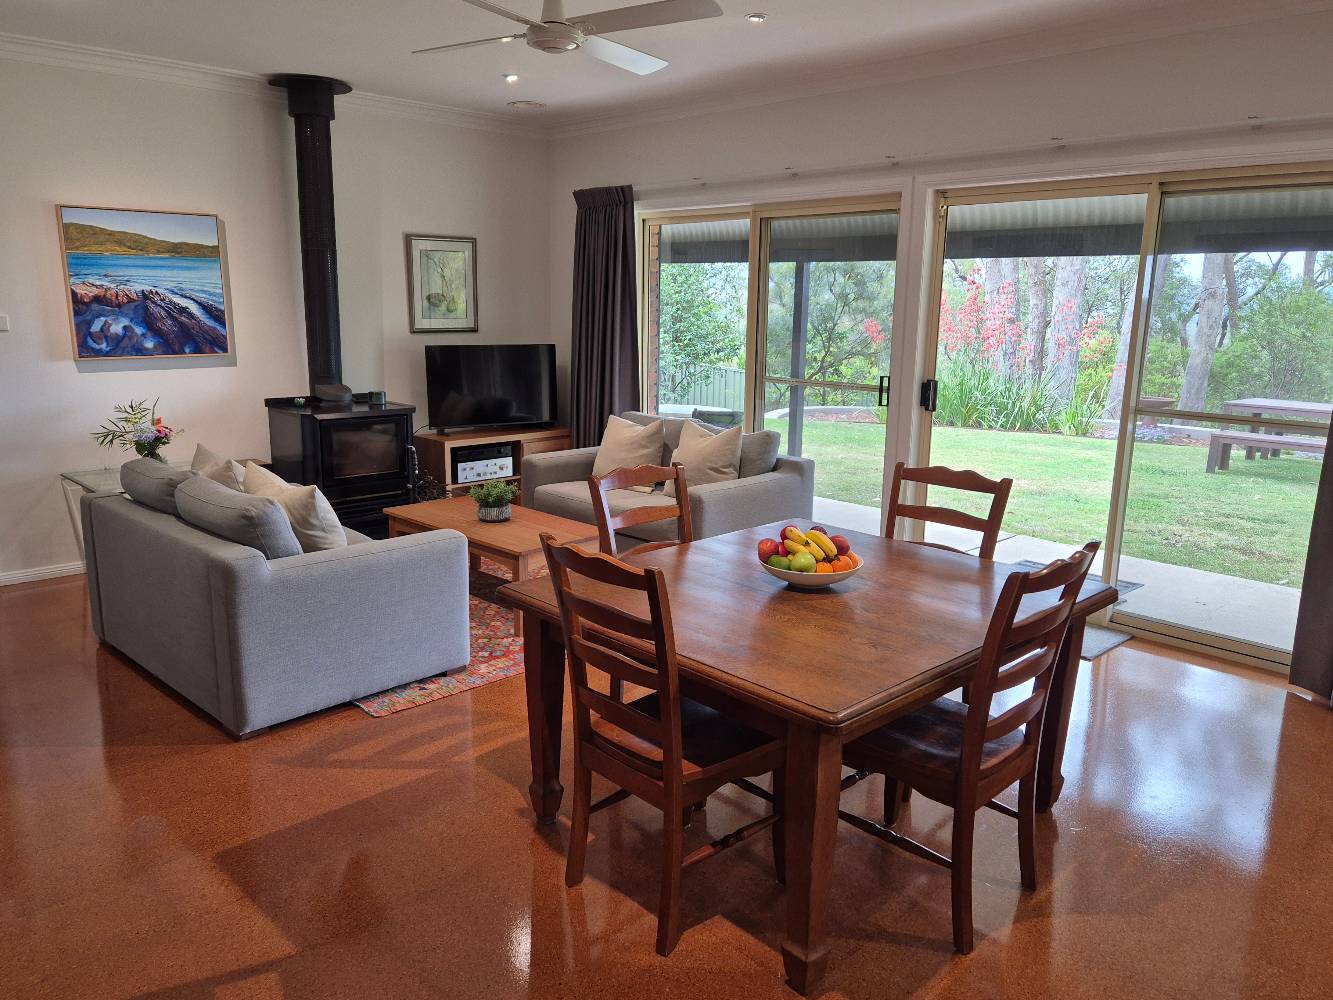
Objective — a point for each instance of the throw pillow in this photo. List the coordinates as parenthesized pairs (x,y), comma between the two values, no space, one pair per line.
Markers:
(152,483)
(625,444)
(707,457)
(759,452)
(221,470)
(258,522)
(312,517)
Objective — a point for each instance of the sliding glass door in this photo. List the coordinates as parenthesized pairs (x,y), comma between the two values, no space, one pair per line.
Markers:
(1036,305)
(695,323)
(1232,414)
(827,288)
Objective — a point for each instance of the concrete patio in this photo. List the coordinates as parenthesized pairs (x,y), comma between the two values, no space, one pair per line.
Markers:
(1260,613)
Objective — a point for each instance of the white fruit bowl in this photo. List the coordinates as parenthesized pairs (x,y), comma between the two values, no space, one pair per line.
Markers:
(814,581)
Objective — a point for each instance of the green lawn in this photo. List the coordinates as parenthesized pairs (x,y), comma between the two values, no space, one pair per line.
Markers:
(1252,521)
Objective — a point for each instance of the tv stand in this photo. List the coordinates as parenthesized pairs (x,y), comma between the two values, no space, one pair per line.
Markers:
(434,451)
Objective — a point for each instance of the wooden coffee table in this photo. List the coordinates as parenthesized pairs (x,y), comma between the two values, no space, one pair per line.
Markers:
(515,544)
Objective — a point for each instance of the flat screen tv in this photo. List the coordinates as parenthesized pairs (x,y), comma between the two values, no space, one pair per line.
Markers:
(490,385)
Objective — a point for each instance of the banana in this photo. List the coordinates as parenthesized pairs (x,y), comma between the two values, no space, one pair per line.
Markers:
(816,551)
(795,535)
(824,542)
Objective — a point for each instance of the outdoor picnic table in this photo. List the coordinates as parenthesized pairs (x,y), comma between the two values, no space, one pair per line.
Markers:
(1259,406)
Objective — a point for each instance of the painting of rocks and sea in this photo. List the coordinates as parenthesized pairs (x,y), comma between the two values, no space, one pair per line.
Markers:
(144,284)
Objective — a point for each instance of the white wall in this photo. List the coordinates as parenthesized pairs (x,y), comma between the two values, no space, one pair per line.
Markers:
(72,136)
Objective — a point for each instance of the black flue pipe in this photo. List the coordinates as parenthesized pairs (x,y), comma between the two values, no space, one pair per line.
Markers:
(310,104)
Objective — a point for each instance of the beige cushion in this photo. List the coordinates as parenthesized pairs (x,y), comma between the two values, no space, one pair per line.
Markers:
(213,466)
(707,457)
(625,444)
(759,450)
(316,525)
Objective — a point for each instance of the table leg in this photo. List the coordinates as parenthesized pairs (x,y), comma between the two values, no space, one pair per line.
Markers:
(72,495)
(544,677)
(1059,705)
(810,827)
(520,569)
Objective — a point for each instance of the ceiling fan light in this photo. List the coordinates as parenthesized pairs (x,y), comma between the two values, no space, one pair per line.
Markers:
(508,38)
(511,78)
(758,17)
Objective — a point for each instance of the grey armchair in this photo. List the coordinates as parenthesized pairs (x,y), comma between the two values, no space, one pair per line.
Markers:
(777,487)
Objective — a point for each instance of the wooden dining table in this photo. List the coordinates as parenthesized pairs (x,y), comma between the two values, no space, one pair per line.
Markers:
(822,667)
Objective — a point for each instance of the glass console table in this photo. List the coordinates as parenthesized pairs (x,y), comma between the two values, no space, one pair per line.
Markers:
(76,484)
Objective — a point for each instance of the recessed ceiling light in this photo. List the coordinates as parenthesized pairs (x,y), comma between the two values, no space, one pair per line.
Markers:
(756,18)
(511,78)
(526,105)
(508,38)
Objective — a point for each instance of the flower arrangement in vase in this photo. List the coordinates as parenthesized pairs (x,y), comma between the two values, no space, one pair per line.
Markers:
(136,426)
(493,499)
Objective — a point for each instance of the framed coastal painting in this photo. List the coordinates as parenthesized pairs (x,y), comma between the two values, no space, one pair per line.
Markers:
(442,283)
(144,284)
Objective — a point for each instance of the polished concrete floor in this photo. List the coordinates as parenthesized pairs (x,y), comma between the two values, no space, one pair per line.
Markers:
(145,854)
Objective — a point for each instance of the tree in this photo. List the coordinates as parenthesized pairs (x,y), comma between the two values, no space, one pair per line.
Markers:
(1206,335)
(1064,341)
(701,324)
(999,283)
(1038,278)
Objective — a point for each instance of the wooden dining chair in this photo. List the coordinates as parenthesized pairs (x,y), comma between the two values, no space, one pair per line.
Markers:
(668,750)
(609,523)
(938,475)
(961,756)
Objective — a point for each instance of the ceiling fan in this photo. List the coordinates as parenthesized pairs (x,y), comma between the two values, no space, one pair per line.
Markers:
(555,33)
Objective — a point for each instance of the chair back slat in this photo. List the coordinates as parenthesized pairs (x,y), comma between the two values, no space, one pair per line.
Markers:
(609,523)
(645,727)
(972,482)
(615,664)
(1017,715)
(614,620)
(601,635)
(1016,652)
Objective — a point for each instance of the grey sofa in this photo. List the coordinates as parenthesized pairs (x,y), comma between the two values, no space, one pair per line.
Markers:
(771,487)
(254,642)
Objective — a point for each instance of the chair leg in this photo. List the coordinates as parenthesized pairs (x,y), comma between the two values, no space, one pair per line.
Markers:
(578,837)
(779,833)
(617,691)
(895,794)
(668,909)
(964,823)
(1027,830)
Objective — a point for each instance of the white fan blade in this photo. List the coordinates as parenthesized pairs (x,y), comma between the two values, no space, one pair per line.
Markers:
(494,9)
(466,45)
(622,56)
(648,15)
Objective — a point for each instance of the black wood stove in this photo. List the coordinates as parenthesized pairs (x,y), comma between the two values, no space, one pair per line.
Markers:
(358,452)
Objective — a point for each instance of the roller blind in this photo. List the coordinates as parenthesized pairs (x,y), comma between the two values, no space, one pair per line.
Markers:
(1247,221)
(872,236)
(1053,227)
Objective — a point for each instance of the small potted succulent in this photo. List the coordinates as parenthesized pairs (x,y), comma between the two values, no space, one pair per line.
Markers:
(493,499)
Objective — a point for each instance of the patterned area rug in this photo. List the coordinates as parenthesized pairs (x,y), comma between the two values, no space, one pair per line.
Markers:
(496,652)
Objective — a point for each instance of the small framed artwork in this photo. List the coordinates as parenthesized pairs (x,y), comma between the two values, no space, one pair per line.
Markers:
(442,283)
(144,284)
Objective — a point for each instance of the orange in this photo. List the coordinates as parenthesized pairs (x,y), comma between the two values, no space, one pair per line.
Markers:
(823,567)
(841,564)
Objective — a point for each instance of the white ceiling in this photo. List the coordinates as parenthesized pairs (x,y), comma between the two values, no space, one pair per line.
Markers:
(803,43)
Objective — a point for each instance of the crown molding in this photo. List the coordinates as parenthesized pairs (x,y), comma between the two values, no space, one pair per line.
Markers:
(155,69)
(1194,17)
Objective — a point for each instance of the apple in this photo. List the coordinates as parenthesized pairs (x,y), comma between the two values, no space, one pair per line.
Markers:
(803,562)
(841,544)
(767,548)
(820,528)
(779,562)
(790,527)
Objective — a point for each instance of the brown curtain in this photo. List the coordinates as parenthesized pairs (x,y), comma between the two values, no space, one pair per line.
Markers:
(1312,653)
(604,367)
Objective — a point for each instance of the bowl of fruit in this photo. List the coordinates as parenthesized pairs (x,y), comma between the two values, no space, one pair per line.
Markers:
(809,559)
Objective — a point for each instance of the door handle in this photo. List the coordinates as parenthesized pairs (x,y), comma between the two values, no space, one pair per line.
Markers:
(930,395)
(882,397)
